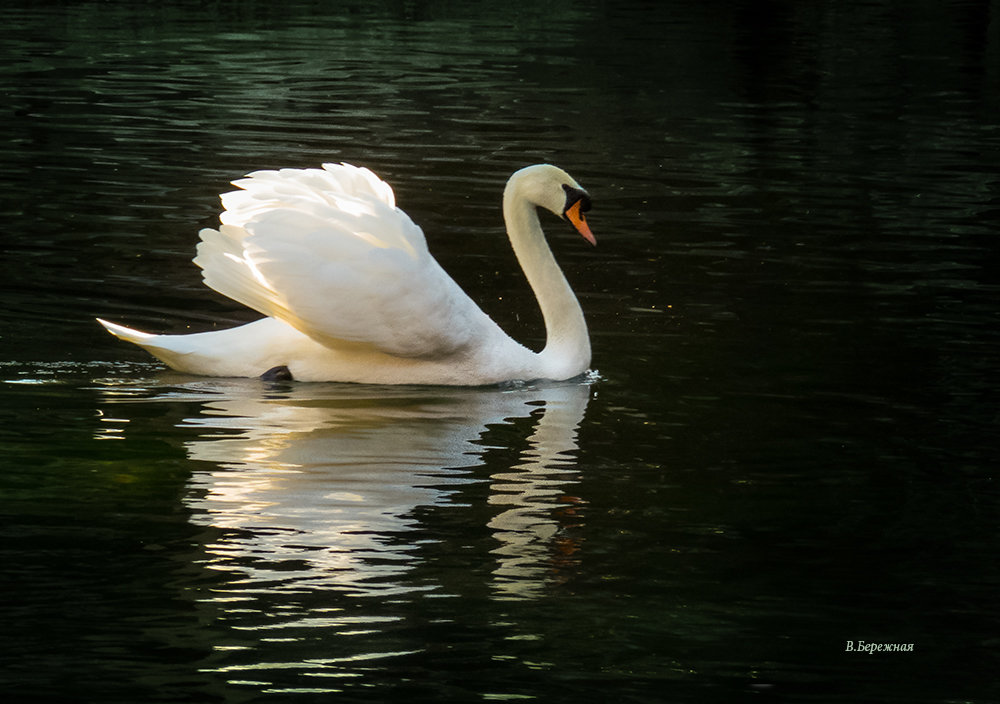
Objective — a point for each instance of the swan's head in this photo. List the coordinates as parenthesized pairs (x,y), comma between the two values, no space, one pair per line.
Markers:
(552,188)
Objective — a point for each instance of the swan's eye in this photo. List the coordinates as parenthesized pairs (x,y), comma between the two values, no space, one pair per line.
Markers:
(574,196)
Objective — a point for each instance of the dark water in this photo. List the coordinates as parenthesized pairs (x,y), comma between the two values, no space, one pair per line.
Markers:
(789,442)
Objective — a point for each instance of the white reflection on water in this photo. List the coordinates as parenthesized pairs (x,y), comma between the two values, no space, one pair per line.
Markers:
(317,486)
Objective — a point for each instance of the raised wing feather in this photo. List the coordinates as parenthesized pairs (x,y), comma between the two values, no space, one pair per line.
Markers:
(328,252)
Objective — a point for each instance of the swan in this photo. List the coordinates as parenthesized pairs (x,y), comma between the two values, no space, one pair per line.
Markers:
(351,293)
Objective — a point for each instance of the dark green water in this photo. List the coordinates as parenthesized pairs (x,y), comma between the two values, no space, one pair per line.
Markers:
(789,441)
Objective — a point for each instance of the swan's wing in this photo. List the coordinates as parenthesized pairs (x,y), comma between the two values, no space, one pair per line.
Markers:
(328,252)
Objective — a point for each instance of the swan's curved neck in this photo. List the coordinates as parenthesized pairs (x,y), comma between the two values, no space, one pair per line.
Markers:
(567,346)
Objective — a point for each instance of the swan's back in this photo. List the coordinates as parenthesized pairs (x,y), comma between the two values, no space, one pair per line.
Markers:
(328,252)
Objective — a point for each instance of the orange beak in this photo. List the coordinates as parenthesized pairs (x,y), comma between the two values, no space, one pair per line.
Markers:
(580,223)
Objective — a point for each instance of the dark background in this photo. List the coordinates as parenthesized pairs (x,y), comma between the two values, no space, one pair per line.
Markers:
(793,305)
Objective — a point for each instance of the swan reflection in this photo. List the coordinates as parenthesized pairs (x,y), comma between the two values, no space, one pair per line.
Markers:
(321,486)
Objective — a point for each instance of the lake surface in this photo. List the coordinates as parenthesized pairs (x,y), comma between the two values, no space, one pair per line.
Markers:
(787,446)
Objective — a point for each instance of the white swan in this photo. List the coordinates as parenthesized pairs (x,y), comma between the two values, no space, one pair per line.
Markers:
(352,294)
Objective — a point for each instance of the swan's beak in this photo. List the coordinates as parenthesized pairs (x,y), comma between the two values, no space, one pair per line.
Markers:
(575,216)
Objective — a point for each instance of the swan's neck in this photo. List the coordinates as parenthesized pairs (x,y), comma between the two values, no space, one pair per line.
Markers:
(567,345)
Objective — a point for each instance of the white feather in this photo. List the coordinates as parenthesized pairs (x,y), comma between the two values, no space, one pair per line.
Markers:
(351,292)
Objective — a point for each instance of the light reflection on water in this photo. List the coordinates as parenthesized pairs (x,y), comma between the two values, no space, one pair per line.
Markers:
(318,487)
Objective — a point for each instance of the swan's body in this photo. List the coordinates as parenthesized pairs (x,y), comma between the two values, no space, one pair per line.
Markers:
(352,293)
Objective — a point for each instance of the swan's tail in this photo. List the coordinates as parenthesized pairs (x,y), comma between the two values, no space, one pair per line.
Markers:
(163,347)
(124,333)
(246,350)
